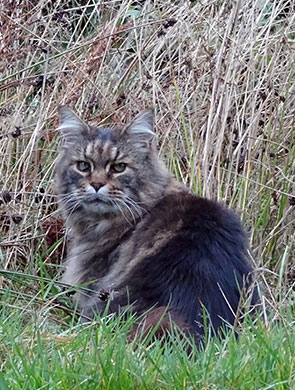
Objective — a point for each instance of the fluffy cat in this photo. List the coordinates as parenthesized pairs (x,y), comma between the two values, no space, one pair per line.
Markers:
(140,239)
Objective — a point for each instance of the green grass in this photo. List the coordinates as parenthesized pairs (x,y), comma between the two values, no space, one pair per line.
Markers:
(40,354)
(221,78)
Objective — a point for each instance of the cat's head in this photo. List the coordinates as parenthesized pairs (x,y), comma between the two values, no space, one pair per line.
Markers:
(109,171)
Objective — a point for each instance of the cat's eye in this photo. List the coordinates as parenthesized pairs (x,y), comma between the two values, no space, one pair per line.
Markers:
(118,168)
(83,166)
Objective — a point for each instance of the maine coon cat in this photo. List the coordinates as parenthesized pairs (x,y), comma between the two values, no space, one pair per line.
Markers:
(140,239)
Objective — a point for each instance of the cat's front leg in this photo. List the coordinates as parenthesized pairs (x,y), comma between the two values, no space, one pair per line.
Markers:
(102,302)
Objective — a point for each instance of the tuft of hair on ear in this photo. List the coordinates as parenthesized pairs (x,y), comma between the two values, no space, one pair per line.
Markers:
(141,129)
(70,125)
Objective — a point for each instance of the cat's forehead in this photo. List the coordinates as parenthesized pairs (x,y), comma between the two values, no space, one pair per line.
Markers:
(103,134)
(101,146)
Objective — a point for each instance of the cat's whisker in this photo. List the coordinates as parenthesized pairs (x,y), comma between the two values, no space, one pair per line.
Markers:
(70,198)
(135,204)
(132,210)
(121,210)
(67,199)
(131,207)
(127,200)
(138,209)
(129,210)
(115,196)
(71,210)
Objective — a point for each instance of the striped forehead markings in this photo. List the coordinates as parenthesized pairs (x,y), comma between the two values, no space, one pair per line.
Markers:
(114,152)
(89,150)
(101,150)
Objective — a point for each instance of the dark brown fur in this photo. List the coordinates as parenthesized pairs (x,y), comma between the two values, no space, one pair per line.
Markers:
(161,322)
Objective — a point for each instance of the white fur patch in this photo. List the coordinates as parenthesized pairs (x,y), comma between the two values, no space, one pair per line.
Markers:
(90,190)
(103,190)
(141,128)
(69,124)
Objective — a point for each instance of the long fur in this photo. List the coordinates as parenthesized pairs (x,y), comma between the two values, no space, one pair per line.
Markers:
(141,240)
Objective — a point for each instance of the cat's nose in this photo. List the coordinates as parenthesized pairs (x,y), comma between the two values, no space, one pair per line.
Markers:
(96,185)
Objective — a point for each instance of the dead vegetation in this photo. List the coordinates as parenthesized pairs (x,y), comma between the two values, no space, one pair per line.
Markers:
(220,76)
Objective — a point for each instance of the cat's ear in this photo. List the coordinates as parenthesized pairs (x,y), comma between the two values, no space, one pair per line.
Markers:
(141,129)
(70,125)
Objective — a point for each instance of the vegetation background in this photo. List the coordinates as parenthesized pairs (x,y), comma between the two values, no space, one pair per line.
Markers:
(221,76)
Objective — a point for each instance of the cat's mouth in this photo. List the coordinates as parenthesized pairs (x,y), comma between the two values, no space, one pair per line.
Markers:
(96,198)
(95,204)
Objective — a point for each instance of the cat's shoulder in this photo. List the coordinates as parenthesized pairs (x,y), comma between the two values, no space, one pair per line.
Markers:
(197,213)
(189,206)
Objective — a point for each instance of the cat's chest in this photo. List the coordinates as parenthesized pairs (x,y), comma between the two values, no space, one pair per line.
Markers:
(92,253)
(109,251)
(88,262)
(146,242)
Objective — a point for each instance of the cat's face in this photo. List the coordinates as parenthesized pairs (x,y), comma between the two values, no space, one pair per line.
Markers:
(112,171)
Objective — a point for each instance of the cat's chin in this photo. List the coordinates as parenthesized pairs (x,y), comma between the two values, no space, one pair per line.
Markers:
(99,207)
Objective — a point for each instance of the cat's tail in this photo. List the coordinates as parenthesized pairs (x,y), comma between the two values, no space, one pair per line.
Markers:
(159,323)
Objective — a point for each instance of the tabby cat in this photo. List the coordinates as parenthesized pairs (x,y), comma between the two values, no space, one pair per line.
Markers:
(139,238)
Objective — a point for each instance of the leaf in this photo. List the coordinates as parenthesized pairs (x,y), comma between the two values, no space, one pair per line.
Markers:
(3,383)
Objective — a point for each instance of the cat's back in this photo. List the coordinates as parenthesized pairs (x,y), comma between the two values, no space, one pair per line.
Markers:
(186,234)
(194,219)
(189,252)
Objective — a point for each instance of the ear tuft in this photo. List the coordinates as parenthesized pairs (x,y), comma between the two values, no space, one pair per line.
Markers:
(142,126)
(70,124)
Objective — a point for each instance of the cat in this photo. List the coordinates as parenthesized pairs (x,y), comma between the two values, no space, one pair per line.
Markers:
(138,238)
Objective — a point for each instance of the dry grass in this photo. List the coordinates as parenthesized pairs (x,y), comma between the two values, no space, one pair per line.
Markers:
(220,75)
